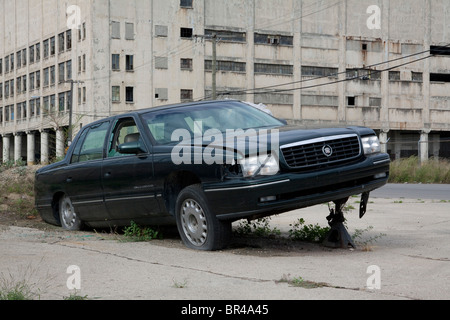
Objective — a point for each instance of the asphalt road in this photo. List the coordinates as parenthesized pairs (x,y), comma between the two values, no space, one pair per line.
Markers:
(414,191)
(402,253)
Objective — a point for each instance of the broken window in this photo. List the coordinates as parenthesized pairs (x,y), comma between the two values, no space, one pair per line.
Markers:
(226,35)
(440,77)
(186,33)
(440,50)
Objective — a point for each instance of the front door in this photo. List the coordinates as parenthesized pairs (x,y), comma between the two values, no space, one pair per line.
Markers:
(128,179)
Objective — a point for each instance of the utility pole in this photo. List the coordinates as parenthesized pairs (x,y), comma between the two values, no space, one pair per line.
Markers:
(214,67)
(215,40)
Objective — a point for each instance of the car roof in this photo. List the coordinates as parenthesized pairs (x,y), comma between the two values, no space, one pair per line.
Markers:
(165,107)
(187,104)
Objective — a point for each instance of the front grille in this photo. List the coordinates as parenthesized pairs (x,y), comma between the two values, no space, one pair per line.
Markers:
(322,152)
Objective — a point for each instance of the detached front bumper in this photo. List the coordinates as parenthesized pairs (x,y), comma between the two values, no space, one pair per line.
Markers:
(249,199)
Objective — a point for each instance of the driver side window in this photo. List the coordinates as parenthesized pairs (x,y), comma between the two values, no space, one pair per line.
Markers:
(125,131)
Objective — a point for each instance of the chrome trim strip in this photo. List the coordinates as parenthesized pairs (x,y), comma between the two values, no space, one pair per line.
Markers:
(85,202)
(321,139)
(381,161)
(130,198)
(249,187)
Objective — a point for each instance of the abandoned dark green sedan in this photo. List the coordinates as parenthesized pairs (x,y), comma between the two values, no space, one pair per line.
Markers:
(203,166)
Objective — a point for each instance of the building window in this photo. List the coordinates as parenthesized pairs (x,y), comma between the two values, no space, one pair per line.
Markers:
(52,46)
(46,77)
(19,59)
(161,31)
(161,93)
(115,62)
(1,66)
(226,35)
(161,62)
(129,63)
(115,30)
(394,75)
(31,51)
(38,79)
(232,66)
(186,95)
(186,33)
(6,64)
(69,69)
(129,31)
(319,71)
(68,39)
(350,101)
(261,38)
(417,76)
(84,62)
(61,102)
(52,75)
(46,48)
(440,50)
(61,42)
(32,81)
(129,94)
(186,64)
(186,3)
(38,52)
(61,72)
(279,69)
(116,94)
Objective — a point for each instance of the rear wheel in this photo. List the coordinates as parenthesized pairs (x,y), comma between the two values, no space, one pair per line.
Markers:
(67,215)
(198,227)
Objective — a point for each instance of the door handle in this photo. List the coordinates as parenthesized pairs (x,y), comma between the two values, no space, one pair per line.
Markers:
(69,180)
(108,174)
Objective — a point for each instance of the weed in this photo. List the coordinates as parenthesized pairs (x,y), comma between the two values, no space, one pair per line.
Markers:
(302,283)
(366,243)
(302,232)
(259,228)
(179,285)
(76,296)
(135,232)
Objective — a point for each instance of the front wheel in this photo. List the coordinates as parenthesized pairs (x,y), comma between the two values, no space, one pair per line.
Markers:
(198,227)
(67,215)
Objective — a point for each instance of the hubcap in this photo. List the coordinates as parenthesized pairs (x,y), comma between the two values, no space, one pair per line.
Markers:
(68,214)
(194,224)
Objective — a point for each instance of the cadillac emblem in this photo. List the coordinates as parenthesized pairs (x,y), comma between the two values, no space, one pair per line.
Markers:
(327,150)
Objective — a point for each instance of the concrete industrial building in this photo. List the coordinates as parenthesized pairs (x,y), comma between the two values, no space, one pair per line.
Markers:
(378,63)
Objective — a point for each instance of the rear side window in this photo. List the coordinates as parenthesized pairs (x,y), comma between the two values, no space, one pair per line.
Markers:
(90,145)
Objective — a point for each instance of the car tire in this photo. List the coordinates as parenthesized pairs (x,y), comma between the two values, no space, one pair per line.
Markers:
(198,227)
(67,215)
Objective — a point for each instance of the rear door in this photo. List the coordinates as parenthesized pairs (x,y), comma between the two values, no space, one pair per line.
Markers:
(128,179)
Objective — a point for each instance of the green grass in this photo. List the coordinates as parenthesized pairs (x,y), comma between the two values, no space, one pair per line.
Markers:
(409,170)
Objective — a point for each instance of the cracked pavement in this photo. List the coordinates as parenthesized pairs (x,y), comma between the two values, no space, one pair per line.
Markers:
(407,239)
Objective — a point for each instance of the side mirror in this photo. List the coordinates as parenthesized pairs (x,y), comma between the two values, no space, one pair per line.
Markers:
(131,148)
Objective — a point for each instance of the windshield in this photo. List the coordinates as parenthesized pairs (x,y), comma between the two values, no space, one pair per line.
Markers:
(232,115)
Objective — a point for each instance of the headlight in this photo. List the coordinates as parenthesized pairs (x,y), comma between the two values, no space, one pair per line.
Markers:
(371,145)
(266,165)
